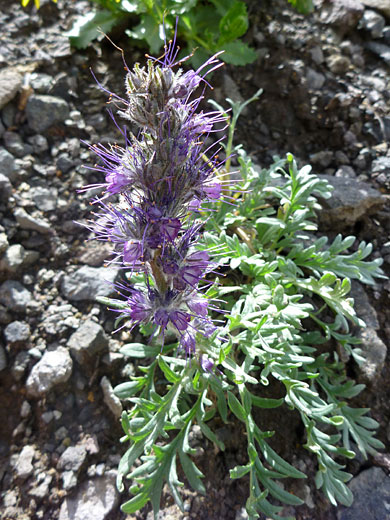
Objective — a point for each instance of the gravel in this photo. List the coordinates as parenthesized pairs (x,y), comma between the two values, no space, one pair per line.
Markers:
(54,368)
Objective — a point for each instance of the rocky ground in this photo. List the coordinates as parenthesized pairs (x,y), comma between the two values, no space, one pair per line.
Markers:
(326,99)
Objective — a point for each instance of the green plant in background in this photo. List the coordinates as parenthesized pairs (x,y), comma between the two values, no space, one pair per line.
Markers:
(286,293)
(208,26)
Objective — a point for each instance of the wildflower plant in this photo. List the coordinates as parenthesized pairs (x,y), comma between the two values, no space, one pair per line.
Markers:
(194,238)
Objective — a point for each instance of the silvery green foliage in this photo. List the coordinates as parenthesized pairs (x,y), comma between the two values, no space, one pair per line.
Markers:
(286,293)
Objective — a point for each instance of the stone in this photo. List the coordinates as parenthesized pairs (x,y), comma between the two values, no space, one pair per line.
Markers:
(20,364)
(373,22)
(17,257)
(323,158)
(39,144)
(14,296)
(17,332)
(88,341)
(3,358)
(3,242)
(45,199)
(350,201)
(26,221)
(69,480)
(5,188)
(363,307)
(42,490)
(381,165)
(10,84)
(23,466)
(314,80)
(72,459)
(87,283)
(383,51)
(381,5)
(338,64)
(371,489)
(7,163)
(374,352)
(344,15)
(111,400)
(54,368)
(346,171)
(64,162)
(14,144)
(95,498)
(45,111)
(25,410)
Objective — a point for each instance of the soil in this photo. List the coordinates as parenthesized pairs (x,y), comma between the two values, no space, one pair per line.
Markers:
(336,117)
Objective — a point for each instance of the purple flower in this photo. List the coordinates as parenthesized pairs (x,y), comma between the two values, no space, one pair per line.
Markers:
(206,364)
(154,181)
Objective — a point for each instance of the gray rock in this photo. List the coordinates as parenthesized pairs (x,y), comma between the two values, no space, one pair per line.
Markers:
(317,55)
(42,490)
(3,242)
(26,221)
(3,358)
(54,368)
(69,480)
(381,165)
(111,400)
(241,514)
(64,162)
(45,198)
(381,5)
(363,307)
(350,201)
(371,489)
(373,22)
(314,80)
(10,83)
(374,351)
(14,144)
(383,51)
(338,64)
(5,188)
(17,332)
(45,111)
(87,341)
(344,15)
(323,158)
(346,171)
(20,364)
(14,296)
(7,163)
(24,467)
(95,499)
(39,144)
(16,257)
(25,410)
(87,283)
(72,459)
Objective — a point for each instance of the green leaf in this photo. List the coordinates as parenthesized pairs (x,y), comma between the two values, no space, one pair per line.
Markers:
(192,473)
(240,471)
(128,389)
(91,27)
(234,24)
(236,407)
(150,31)
(238,53)
(138,350)
(263,402)
(168,372)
